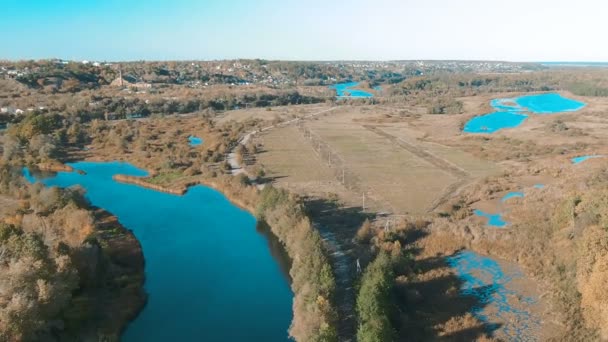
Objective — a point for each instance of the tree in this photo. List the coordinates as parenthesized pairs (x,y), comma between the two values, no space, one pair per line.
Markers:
(373,301)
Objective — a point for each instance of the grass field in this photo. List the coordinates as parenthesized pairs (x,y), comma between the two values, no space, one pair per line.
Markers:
(270,114)
(388,156)
(290,160)
(408,183)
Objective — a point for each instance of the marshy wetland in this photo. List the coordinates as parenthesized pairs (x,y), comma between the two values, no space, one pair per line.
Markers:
(351,213)
(512,112)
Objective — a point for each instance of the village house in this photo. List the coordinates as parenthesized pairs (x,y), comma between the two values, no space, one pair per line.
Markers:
(11,110)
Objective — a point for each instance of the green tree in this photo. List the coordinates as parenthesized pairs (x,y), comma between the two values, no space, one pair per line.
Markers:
(373,301)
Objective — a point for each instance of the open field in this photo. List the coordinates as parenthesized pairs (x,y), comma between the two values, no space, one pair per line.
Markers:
(274,114)
(407,182)
(291,162)
(387,159)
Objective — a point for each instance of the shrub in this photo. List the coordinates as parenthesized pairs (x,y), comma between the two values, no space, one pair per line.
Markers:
(364,234)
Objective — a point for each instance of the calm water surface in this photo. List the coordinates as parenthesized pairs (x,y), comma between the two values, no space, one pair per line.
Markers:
(514,194)
(195,141)
(578,160)
(512,113)
(494,220)
(347,90)
(210,275)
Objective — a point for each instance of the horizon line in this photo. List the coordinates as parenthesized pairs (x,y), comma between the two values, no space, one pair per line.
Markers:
(297,60)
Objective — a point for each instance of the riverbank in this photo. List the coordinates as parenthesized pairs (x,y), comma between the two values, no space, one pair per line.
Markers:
(99,264)
(123,297)
(312,278)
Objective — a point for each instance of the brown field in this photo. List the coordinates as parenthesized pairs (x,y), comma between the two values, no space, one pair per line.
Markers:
(292,163)
(383,153)
(270,114)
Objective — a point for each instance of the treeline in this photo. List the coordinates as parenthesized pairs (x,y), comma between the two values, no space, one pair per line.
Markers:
(120,107)
(588,89)
(64,276)
(38,137)
(458,85)
(313,281)
(439,93)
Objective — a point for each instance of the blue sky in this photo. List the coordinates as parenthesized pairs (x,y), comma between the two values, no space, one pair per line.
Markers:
(516,30)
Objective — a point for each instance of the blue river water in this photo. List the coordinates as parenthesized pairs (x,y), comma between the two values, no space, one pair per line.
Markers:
(347,90)
(511,113)
(210,275)
(578,160)
(484,279)
(195,141)
(494,220)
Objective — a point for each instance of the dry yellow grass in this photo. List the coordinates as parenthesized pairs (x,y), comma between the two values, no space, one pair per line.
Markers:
(407,182)
(270,114)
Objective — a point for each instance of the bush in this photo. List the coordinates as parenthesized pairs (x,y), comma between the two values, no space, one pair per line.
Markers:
(364,234)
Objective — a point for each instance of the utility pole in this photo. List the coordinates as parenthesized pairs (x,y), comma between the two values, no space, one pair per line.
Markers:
(329,158)
(343,176)
(364,201)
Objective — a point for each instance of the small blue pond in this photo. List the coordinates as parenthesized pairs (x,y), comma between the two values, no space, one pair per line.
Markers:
(515,194)
(28,175)
(347,90)
(494,220)
(539,186)
(510,113)
(578,160)
(493,122)
(210,275)
(195,141)
(548,103)
(485,280)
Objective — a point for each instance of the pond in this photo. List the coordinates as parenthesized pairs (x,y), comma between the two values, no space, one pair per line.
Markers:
(512,112)
(195,141)
(498,303)
(514,194)
(548,103)
(210,275)
(347,90)
(578,160)
(494,220)
(493,122)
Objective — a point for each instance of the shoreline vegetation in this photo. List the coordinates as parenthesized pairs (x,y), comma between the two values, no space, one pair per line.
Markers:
(312,278)
(88,269)
(313,282)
